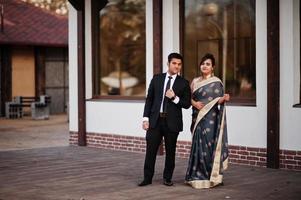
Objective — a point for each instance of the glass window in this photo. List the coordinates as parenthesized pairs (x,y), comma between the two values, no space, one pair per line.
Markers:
(227,30)
(122,60)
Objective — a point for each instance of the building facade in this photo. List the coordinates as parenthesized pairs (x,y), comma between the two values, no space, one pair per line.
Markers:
(115,47)
(33,55)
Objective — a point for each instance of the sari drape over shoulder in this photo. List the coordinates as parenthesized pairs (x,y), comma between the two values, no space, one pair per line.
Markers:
(209,149)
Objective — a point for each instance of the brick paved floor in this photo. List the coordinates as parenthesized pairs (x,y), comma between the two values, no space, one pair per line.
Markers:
(74,173)
(26,133)
(36,163)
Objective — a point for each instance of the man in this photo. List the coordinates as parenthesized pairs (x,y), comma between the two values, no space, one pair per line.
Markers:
(167,94)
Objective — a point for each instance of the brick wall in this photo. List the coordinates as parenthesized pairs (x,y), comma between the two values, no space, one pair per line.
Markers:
(238,154)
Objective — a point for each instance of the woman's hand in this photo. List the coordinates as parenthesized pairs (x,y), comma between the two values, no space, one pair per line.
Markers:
(199,105)
(225,98)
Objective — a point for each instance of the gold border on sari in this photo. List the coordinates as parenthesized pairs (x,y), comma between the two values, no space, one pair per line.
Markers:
(199,84)
(215,178)
(204,111)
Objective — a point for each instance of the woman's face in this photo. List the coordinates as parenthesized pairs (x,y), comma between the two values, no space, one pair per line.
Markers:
(206,67)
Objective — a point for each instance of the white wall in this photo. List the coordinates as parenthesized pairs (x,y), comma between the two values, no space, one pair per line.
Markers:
(170,30)
(115,117)
(72,40)
(290,118)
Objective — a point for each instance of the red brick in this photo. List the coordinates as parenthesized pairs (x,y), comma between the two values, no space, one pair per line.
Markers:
(263,150)
(289,166)
(233,160)
(181,150)
(243,148)
(234,156)
(243,152)
(233,152)
(262,155)
(252,158)
(297,158)
(237,154)
(261,164)
(181,155)
(231,147)
(292,162)
(289,157)
(252,149)
(188,147)
(243,162)
(298,168)
(288,152)
(252,163)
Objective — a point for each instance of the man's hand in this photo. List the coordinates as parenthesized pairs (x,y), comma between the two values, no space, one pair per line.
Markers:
(170,93)
(145,125)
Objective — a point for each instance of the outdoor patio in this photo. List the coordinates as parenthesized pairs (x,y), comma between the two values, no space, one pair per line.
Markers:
(89,173)
(54,171)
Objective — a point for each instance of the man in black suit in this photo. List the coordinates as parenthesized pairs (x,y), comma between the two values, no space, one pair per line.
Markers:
(167,94)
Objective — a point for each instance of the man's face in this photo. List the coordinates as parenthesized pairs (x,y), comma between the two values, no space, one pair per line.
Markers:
(174,66)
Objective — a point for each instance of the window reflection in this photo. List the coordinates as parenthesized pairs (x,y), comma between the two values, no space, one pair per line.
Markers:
(227,30)
(122,48)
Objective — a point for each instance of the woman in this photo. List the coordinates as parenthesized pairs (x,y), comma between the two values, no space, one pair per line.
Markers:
(209,149)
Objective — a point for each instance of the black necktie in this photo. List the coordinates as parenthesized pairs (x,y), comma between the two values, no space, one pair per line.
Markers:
(166,98)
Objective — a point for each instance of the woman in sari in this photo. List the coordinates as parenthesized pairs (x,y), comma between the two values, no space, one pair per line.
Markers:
(209,149)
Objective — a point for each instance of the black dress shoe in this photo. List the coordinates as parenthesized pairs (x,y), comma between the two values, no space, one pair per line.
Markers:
(144,183)
(168,182)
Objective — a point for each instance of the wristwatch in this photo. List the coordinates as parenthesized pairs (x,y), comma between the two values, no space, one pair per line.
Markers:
(173,98)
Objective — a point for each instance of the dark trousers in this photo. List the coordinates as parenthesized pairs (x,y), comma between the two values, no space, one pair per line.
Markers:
(153,141)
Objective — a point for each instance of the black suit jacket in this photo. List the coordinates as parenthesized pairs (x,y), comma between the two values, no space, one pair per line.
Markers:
(174,111)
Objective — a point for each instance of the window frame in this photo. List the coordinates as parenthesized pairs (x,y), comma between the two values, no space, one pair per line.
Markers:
(298,105)
(95,50)
(234,101)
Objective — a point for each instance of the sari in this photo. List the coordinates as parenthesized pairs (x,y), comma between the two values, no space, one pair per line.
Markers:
(209,149)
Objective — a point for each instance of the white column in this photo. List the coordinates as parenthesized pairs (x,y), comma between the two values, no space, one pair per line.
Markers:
(88,49)
(149,41)
(170,30)
(73,65)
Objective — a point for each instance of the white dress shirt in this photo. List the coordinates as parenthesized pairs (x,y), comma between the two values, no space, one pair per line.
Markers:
(176,100)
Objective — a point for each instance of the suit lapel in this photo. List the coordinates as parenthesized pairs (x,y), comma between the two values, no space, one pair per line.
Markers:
(162,79)
(176,84)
